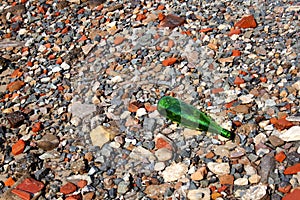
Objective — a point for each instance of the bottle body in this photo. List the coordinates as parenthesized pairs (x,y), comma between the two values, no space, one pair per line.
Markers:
(189,116)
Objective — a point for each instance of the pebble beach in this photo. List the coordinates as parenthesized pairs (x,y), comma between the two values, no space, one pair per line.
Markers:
(80,81)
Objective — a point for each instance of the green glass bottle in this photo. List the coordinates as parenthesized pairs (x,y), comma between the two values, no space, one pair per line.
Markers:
(189,116)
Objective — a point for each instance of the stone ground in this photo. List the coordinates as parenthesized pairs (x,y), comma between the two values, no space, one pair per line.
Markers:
(81,79)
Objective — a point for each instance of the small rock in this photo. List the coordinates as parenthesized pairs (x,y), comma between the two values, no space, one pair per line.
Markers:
(118,40)
(36,127)
(249,170)
(141,112)
(48,142)
(15,119)
(219,168)
(174,172)
(255,192)
(221,151)
(156,191)
(260,138)
(172,21)
(246,22)
(255,178)
(82,110)
(280,156)
(200,193)
(292,169)
(18,147)
(169,61)
(199,174)
(227,179)
(162,141)
(22,194)
(16,85)
(246,98)
(123,187)
(101,135)
(163,154)
(267,165)
(241,109)
(282,124)
(241,181)
(30,185)
(140,152)
(294,195)
(276,141)
(159,166)
(292,134)
(68,188)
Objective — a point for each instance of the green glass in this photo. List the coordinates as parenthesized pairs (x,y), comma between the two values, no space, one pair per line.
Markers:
(189,116)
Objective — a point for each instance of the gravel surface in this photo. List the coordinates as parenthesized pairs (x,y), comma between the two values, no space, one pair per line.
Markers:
(80,81)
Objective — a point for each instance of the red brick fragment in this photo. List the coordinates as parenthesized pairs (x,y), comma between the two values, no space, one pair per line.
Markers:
(17,73)
(82,183)
(16,85)
(217,90)
(149,107)
(205,30)
(238,81)
(141,17)
(118,40)
(30,185)
(74,197)
(68,188)
(236,53)
(246,22)
(9,182)
(169,61)
(285,189)
(294,195)
(161,16)
(282,124)
(18,147)
(134,106)
(292,169)
(36,127)
(234,32)
(161,7)
(280,156)
(162,143)
(22,194)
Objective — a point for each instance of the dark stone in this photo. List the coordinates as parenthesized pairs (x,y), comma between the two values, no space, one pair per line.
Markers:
(267,166)
(112,193)
(15,119)
(293,158)
(40,174)
(172,21)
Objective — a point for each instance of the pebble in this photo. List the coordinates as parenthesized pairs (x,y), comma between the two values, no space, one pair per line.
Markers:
(163,154)
(139,152)
(255,192)
(199,174)
(15,119)
(48,142)
(267,165)
(174,172)
(159,166)
(292,134)
(227,179)
(68,188)
(82,110)
(123,187)
(101,135)
(219,168)
(241,181)
(249,170)
(200,193)
(255,178)
(276,141)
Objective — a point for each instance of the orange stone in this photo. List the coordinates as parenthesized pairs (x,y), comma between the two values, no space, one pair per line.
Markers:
(51,57)
(294,195)
(285,189)
(217,90)
(210,154)
(118,40)
(68,188)
(246,22)
(282,124)
(74,197)
(16,85)
(205,30)
(59,61)
(140,17)
(17,73)
(273,120)
(280,156)
(9,182)
(22,194)
(169,61)
(149,107)
(171,43)
(263,79)
(161,16)
(133,106)
(82,183)
(227,179)
(18,147)
(234,32)
(216,195)
(162,143)
(172,21)
(83,38)
(36,127)
(236,53)
(161,7)
(238,81)
(292,169)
